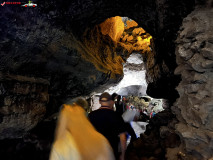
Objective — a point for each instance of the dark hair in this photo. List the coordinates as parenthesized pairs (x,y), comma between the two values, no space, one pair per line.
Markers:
(114,95)
(105,97)
(119,98)
(81,102)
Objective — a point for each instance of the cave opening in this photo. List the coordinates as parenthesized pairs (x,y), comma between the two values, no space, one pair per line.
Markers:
(124,46)
(129,43)
(132,44)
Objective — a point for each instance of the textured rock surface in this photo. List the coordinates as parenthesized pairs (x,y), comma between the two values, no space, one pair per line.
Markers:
(23,104)
(195,65)
(47,35)
(153,143)
(42,42)
(34,145)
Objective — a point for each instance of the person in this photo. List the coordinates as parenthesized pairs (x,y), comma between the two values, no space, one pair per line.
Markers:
(114,98)
(120,108)
(108,123)
(124,102)
(129,116)
(76,138)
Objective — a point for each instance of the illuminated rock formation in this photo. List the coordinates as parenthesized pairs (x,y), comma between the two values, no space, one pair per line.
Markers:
(109,44)
(62,43)
(114,27)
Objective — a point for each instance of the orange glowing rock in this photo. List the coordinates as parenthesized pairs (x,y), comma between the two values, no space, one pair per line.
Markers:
(114,27)
(130,24)
(108,45)
(124,38)
(138,31)
(130,38)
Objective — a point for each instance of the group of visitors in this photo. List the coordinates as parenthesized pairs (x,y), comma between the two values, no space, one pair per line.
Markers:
(101,135)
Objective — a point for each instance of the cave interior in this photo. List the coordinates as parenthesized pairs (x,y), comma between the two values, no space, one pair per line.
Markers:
(58,51)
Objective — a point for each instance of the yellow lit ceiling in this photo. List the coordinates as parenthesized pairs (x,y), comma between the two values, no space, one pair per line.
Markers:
(110,43)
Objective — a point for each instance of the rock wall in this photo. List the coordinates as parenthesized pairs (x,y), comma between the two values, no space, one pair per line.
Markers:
(160,65)
(23,104)
(194,108)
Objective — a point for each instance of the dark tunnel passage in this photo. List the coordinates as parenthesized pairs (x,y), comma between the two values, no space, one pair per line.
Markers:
(57,51)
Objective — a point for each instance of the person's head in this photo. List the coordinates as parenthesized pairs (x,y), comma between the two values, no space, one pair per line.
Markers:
(80,101)
(119,98)
(106,99)
(114,96)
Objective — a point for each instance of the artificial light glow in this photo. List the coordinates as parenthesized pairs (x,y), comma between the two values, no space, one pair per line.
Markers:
(139,38)
(105,43)
(148,39)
